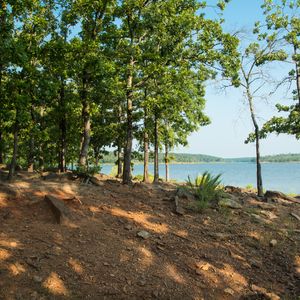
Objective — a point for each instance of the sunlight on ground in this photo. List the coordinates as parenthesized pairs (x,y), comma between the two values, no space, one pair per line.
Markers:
(75,265)
(146,257)
(233,278)
(23,184)
(182,233)
(265,292)
(297,264)
(227,274)
(207,271)
(140,218)
(254,234)
(16,269)
(9,244)
(173,273)
(55,285)
(69,189)
(3,202)
(94,209)
(4,254)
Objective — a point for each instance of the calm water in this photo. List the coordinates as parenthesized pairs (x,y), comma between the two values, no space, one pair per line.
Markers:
(284,177)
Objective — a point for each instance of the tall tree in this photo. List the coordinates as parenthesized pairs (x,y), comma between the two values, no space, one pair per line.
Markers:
(254,77)
(283,24)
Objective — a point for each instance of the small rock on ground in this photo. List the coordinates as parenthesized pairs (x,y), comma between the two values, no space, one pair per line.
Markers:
(229,203)
(144,234)
(273,243)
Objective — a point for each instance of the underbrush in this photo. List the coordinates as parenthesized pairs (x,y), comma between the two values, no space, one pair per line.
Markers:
(206,189)
(87,171)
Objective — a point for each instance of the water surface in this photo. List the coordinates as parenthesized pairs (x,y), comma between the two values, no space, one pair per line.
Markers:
(284,177)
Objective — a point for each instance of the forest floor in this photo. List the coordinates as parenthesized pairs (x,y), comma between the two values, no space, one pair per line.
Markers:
(126,242)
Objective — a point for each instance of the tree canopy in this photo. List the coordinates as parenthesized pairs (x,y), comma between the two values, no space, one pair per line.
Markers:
(77,77)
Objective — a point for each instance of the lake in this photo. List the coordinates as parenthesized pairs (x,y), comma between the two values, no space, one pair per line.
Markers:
(284,177)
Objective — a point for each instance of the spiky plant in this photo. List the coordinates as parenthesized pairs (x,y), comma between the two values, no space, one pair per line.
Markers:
(206,189)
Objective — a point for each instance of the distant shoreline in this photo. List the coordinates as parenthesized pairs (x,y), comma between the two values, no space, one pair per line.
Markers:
(185,158)
(212,162)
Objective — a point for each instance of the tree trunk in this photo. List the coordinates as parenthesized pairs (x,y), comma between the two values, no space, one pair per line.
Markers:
(146,148)
(259,183)
(146,157)
(41,156)
(167,161)
(297,77)
(129,138)
(13,163)
(156,166)
(1,148)
(86,134)
(31,155)
(63,131)
(1,139)
(30,163)
(260,191)
(97,157)
(119,162)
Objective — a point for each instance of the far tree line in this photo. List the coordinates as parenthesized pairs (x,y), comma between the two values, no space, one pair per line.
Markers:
(77,77)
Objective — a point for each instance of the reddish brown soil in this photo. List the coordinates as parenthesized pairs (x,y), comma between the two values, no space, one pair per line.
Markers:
(219,254)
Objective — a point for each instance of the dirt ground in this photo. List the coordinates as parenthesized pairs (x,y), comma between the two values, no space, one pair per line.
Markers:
(248,253)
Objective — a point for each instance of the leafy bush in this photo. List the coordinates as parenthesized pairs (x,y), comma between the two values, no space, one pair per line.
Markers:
(206,189)
(114,171)
(87,171)
(249,186)
(141,177)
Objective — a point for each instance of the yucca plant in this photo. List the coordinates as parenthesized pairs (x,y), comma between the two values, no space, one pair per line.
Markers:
(206,189)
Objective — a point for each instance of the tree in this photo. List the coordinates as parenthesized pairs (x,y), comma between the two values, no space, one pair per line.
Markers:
(94,17)
(254,78)
(163,35)
(283,24)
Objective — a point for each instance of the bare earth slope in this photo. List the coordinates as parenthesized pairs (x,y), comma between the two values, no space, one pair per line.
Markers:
(97,252)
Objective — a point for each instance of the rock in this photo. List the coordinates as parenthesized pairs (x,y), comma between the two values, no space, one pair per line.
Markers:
(185,194)
(229,291)
(59,209)
(268,214)
(144,234)
(273,243)
(230,203)
(267,206)
(295,216)
(96,181)
(258,218)
(128,227)
(274,196)
(178,210)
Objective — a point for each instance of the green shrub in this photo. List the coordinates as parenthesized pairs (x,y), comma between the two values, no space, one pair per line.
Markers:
(114,171)
(87,171)
(206,189)
(141,177)
(249,186)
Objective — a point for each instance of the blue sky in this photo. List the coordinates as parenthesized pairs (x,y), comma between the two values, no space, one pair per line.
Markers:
(229,113)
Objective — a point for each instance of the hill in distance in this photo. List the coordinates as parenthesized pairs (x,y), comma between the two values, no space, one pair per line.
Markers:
(203,158)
